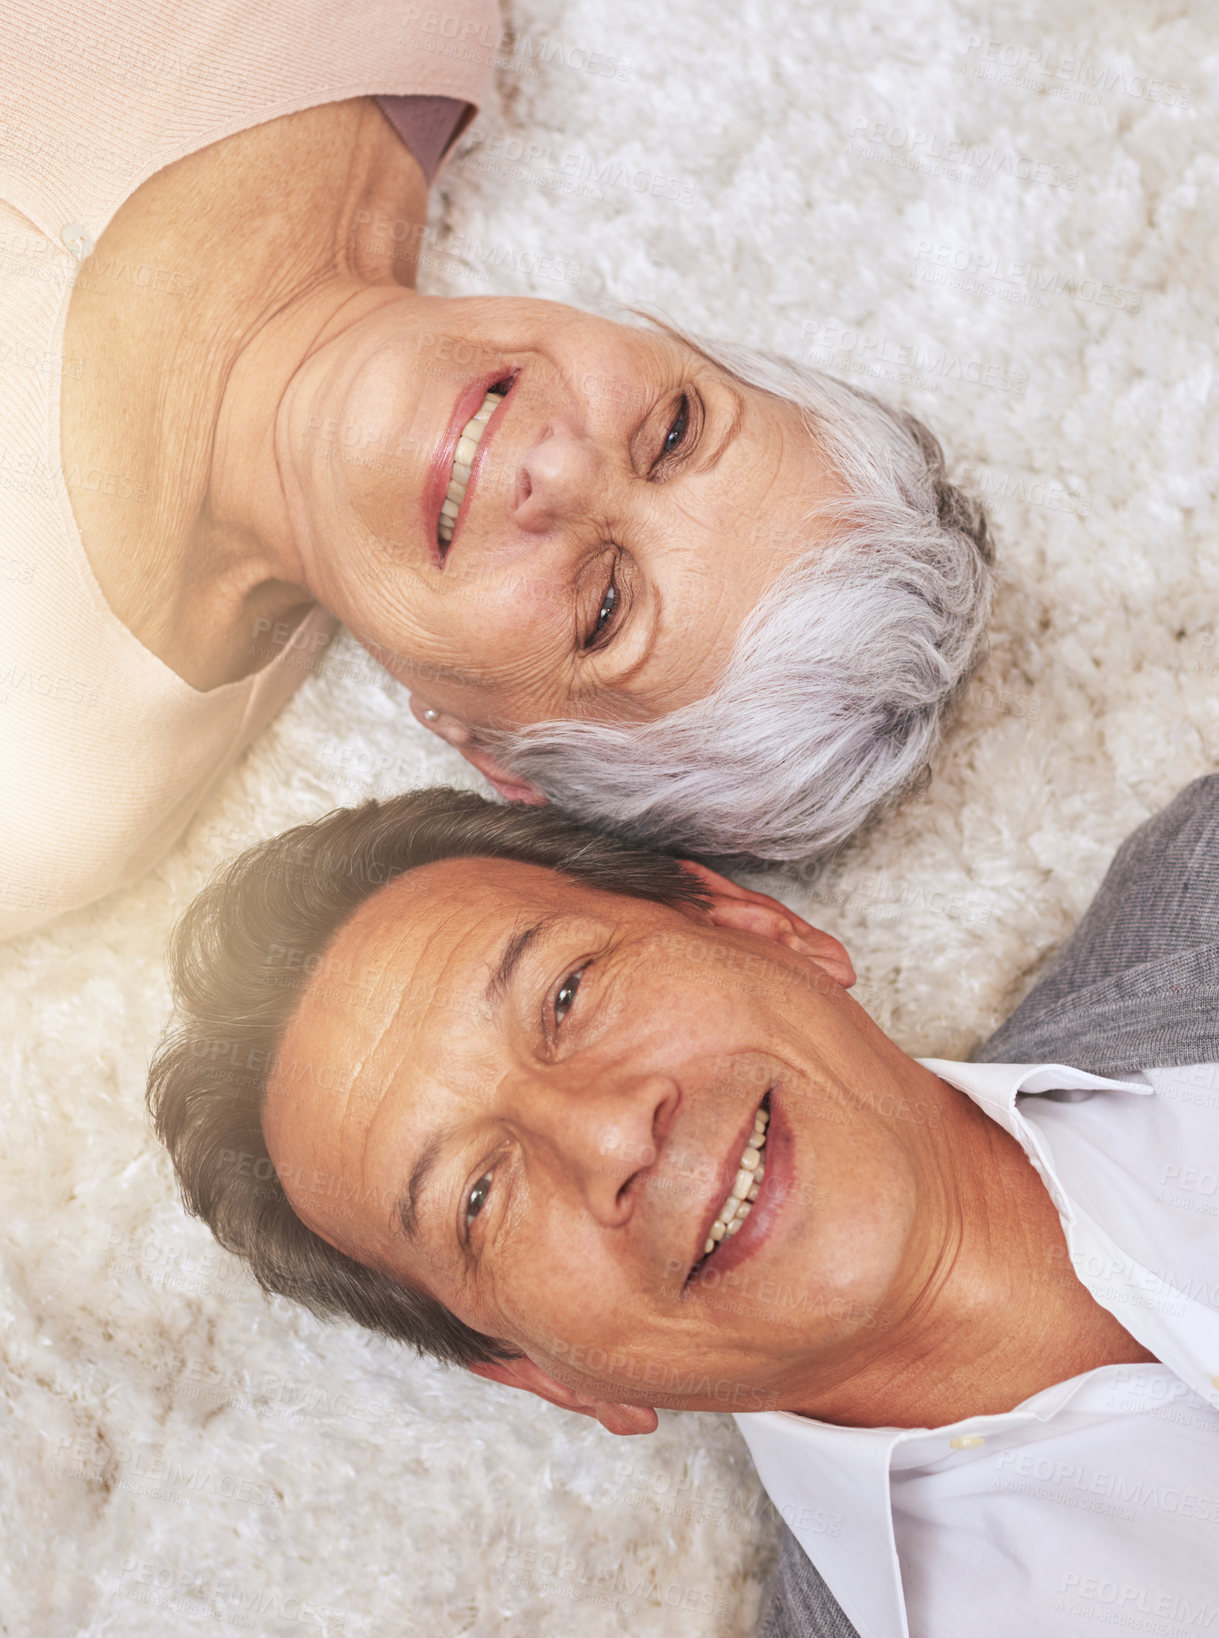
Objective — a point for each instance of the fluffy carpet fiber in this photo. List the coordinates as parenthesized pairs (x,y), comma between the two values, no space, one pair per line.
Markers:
(1004,217)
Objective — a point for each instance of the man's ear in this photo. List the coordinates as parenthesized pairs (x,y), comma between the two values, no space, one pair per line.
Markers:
(523,1373)
(748,912)
(509,785)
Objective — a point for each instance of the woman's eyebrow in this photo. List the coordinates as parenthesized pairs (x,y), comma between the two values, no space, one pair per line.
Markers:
(713,456)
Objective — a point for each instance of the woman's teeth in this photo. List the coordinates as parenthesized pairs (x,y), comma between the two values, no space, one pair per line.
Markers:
(463,460)
(745,1187)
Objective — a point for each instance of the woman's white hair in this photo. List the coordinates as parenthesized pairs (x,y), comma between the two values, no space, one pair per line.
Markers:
(833,698)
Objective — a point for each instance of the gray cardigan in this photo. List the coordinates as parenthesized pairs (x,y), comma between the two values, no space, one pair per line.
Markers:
(1135,986)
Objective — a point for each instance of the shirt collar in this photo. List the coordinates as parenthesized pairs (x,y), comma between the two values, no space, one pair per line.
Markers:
(830,1484)
(995,1087)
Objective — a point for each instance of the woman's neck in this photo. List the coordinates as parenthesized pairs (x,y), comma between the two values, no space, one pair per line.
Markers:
(260,234)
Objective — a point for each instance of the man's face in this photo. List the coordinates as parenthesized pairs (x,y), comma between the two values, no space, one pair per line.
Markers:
(539,1107)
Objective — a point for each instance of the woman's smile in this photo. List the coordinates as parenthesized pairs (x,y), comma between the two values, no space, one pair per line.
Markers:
(459,460)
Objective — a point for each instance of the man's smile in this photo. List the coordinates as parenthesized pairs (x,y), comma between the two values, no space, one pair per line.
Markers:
(744,1168)
(752,1201)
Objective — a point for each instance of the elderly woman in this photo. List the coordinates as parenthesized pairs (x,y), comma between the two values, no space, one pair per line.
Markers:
(701,596)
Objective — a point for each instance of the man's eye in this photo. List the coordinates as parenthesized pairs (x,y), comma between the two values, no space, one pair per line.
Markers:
(477,1198)
(567,994)
(676,435)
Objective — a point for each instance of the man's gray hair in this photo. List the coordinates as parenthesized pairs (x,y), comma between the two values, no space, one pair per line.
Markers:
(834,696)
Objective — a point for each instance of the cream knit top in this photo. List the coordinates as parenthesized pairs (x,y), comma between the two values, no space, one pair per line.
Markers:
(105,752)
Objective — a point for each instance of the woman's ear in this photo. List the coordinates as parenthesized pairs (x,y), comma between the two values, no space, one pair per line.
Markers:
(509,785)
(530,1378)
(732,905)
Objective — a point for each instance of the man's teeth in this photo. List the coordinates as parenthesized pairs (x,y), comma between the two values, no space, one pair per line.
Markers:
(745,1186)
(463,460)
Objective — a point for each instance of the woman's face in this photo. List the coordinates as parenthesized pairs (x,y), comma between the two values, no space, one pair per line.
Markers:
(626,505)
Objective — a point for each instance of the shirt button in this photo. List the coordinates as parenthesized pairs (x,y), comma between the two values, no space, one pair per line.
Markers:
(966,1441)
(78,239)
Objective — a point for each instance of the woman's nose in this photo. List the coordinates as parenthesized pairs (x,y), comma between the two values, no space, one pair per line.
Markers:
(556,478)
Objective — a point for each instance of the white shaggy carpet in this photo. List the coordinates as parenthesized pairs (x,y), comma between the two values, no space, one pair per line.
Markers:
(1005,216)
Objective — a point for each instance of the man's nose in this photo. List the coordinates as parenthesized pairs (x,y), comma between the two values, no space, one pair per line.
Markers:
(601,1131)
(556,477)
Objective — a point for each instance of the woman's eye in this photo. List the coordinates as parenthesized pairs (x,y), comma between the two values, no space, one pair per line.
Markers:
(603,622)
(566,995)
(477,1198)
(608,604)
(676,434)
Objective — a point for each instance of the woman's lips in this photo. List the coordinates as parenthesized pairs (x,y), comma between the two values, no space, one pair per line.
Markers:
(776,1186)
(441,467)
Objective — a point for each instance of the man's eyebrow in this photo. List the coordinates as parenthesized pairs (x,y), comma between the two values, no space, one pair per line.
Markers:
(510,956)
(407,1208)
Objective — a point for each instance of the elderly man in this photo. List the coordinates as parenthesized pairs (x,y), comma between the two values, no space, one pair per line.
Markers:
(611,1129)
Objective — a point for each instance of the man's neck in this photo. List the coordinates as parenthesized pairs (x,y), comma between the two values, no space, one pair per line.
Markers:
(995,1313)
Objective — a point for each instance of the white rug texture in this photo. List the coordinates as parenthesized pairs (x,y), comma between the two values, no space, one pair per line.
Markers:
(1002,215)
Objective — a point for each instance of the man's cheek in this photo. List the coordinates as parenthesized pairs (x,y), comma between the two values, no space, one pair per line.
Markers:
(554,1278)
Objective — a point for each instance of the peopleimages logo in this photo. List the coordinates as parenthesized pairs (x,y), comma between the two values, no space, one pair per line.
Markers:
(1129,1491)
(1027,283)
(574,170)
(1118,1602)
(529,53)
(1026,489)
(848,350)
(1055,73)
(937,153)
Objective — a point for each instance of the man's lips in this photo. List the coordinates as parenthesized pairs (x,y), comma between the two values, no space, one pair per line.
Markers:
(771,1195)
(440,469)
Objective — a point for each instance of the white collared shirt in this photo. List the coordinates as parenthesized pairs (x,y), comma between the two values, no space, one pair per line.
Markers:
(1094,1505)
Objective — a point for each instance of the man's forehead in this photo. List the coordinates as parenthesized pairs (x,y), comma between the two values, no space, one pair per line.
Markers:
(397,983)
(427,941)
(428,913)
